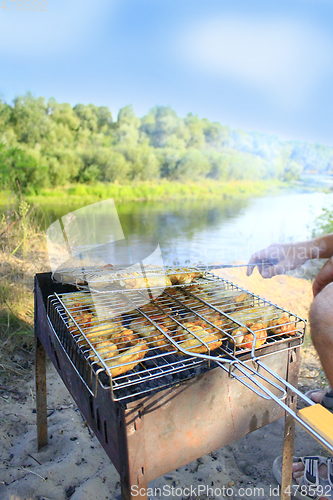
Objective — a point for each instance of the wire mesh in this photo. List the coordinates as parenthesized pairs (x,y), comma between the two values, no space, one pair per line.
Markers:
(134,277)
(126,342)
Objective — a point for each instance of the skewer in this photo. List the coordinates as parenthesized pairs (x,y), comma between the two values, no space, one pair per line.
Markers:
(223,266)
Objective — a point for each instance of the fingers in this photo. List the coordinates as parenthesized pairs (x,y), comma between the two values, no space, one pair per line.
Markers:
(268,271)
(250,266)
(249,270)
(265,259)
(258,259)
(275,259)
(324,277)
(267,267)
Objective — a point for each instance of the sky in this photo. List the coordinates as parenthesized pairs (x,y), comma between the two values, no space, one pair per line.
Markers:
(258,65)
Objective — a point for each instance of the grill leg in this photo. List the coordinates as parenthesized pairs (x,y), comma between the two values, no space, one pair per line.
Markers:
(288,452)
(131,492)
(289,427)
(41,405)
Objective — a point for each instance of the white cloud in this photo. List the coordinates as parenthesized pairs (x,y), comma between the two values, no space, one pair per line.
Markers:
(282,58)
(61,26)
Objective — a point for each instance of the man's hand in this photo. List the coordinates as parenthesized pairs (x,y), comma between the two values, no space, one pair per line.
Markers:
(278,259)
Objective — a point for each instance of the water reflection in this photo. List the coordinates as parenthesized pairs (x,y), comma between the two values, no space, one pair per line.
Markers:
(175,225)
(217,230)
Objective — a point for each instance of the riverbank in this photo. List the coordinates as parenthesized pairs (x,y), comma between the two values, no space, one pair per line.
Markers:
(84,194)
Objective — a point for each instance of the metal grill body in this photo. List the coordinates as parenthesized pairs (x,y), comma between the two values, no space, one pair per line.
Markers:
(152,433)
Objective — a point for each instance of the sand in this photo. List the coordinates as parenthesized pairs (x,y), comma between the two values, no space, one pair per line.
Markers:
(75,466)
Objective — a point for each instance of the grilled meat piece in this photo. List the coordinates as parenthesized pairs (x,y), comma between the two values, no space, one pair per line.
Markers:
(196,345)
(120,361)
(282,326)
(135,280)
(183,276)
(244,339)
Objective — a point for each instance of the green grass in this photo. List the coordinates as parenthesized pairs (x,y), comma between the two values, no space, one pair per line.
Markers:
(51,204)
(84,194)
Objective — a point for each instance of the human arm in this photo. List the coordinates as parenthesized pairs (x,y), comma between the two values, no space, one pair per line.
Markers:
(288,256)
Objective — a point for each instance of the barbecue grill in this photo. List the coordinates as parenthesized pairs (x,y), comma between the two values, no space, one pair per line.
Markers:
(175,403)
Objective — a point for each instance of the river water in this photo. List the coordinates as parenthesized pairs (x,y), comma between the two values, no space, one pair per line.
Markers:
(226,231)
(262,221)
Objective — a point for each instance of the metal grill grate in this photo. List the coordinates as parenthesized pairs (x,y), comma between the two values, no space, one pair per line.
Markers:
(134,277)
(210,316)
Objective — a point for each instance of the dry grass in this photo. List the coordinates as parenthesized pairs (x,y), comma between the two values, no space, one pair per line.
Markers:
(22,254)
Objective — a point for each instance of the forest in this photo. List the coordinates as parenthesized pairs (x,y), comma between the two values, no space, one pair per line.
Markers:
(44,143)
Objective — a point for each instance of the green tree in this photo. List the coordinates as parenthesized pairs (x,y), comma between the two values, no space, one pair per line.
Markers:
(111,165)
(54,143)
(292,171)
(143,164)
(30,119)
(216,135)
(160,125)
(5,116)
(191,166)
(116,168)
(127,127)
(168,159)
(195,128)
(64,114)
(64,165)
(219,165)
(94,118)
(19,172)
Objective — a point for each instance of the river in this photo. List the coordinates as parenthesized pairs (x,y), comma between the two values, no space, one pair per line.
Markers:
(226,231)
